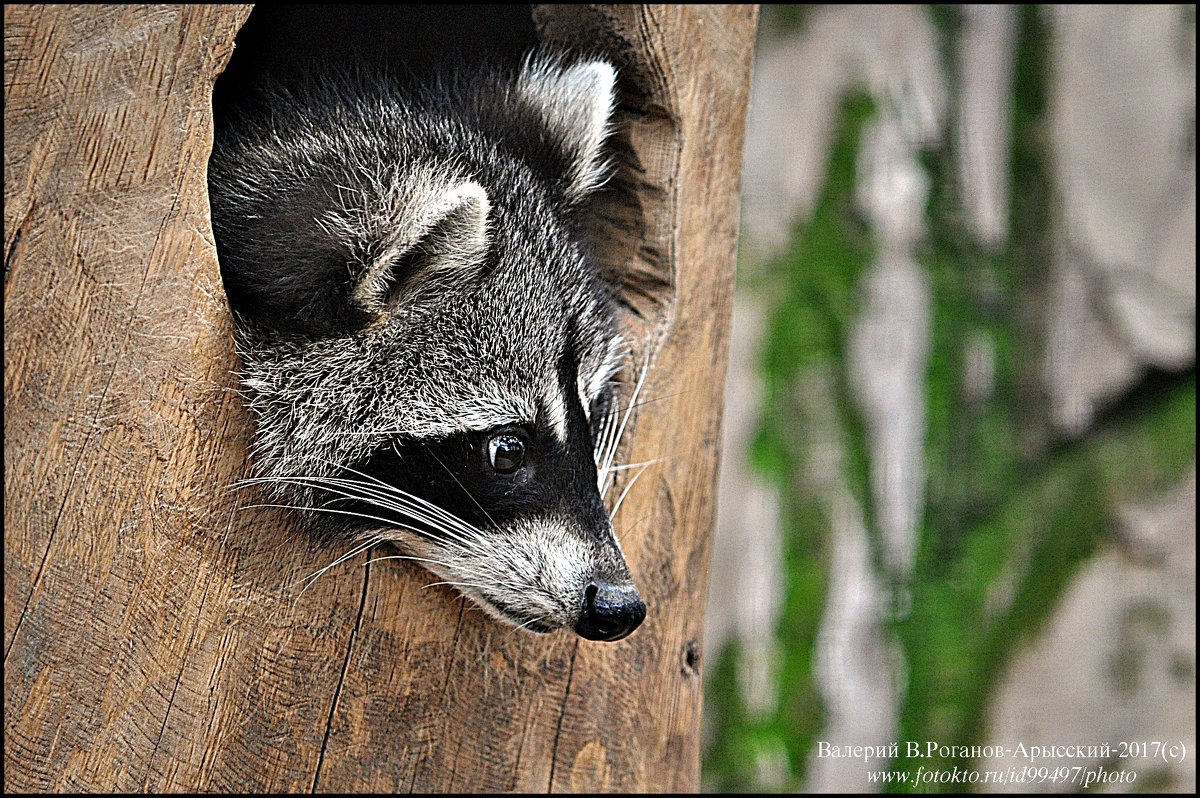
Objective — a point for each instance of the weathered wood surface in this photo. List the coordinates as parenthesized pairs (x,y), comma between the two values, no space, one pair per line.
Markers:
(154,636)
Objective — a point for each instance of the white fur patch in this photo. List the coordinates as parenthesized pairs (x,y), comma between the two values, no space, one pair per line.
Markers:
(589,386)
(496,409)
(446,225)
(536,568)
(556,409)
(577,103)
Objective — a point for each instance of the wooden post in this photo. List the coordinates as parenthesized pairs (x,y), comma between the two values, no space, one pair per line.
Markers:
(154,635)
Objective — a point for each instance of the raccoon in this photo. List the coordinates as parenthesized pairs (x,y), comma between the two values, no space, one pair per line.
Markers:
(428,348)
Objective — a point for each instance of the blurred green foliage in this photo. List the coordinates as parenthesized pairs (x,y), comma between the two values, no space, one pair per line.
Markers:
(1011,513)
(814,288)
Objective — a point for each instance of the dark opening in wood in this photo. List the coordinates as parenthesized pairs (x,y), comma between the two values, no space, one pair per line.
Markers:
(411,44)
(405,43)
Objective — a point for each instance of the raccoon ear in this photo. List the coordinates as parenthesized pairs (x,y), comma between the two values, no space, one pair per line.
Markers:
(446,238)
(576,103)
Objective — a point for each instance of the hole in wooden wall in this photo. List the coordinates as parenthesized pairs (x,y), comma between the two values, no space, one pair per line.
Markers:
(409,44)
(404,43)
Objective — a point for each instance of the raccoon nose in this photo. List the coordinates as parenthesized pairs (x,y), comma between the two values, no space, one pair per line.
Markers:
(610,612)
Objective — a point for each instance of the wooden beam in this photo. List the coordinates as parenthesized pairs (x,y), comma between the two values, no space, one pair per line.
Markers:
(155,637)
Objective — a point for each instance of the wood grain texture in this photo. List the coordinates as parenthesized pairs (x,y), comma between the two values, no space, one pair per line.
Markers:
(154,635)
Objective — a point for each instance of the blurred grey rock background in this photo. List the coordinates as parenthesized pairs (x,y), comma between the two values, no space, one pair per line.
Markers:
(1123,138)
(1117,658)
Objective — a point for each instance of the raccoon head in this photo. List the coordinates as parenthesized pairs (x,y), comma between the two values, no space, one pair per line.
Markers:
(427,347)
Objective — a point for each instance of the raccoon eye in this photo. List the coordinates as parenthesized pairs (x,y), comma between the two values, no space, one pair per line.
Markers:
(506,453)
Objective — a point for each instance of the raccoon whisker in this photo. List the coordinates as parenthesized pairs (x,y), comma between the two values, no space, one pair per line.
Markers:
(606,429)
(353,551)
(638,522)
(473,534)
(610,427)
(662,398)
(443,522)
(316,483)
(460,584)
(435,562)
(538,619)
(644,463)
(606,450)
(632,526)
(609,475)
(484,574)
(315,575)
(482,570)
(625,492)
(385,486)
(608,434)
(464,487)
(615,441)
(492,576)
(633,401)
(384,521)
(415,507)
(450,537)
(301,508)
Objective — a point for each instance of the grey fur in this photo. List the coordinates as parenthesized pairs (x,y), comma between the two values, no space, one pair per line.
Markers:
(409,270)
